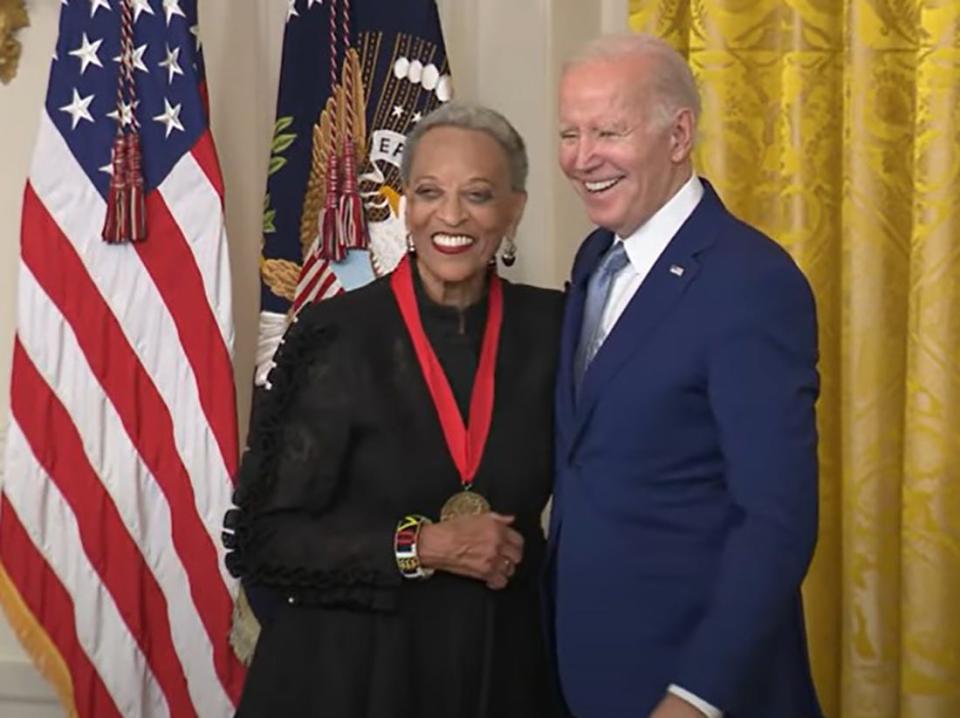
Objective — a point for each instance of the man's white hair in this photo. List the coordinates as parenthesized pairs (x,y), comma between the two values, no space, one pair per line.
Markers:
(673,87)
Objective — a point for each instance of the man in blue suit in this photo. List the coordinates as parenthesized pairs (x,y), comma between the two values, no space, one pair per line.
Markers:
(685,508)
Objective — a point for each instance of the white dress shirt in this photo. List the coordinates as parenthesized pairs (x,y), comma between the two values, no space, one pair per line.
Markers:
(644,248)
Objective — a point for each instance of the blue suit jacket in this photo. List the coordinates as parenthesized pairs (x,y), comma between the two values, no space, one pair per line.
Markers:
(685,506)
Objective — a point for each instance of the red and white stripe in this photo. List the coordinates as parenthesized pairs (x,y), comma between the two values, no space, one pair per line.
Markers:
(123,440)
(317,280)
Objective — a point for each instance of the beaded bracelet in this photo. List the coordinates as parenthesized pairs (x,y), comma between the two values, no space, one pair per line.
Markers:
(405,547)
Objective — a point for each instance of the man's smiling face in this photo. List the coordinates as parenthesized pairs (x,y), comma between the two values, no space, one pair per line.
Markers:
(615,142)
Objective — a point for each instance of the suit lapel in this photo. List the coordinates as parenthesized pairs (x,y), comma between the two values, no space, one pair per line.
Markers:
(671,275)
(576,293)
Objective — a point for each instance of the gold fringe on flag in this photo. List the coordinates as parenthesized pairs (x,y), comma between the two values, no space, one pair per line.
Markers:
(37,643)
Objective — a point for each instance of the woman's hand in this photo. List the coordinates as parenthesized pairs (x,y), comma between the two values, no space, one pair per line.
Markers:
(483,547)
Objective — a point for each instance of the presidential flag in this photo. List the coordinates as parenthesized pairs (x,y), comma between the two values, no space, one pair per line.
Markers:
(356,76)
(121,445)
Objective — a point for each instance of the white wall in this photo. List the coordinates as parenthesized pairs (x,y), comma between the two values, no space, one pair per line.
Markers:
(504,53)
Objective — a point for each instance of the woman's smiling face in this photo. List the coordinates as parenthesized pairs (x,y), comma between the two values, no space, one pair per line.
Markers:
(460,205)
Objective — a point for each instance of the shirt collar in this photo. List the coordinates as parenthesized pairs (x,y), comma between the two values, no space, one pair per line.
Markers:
(647,243)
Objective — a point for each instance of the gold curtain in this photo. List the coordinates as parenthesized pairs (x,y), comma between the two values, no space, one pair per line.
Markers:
(834,126)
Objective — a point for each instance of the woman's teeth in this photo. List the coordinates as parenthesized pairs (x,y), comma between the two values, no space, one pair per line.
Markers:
(452,241)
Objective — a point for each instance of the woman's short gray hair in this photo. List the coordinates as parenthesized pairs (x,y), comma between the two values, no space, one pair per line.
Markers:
(470,116)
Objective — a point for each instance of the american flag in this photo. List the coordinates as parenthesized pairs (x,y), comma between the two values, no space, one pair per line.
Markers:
(122,439)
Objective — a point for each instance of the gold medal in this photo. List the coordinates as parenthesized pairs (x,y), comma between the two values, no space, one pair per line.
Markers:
(464,503)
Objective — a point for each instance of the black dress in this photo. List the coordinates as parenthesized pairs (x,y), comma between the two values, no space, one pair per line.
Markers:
(346,442)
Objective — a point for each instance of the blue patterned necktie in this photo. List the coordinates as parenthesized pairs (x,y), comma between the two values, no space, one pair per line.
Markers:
(598,290)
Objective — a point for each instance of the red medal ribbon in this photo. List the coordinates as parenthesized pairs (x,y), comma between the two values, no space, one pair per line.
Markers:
(465,443)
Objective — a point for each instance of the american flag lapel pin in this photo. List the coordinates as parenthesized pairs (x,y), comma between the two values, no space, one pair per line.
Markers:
(676,269)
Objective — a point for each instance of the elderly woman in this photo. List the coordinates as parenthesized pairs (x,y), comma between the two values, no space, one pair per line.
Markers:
(401,461)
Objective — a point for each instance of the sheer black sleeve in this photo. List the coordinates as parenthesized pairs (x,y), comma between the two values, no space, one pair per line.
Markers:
(289,531)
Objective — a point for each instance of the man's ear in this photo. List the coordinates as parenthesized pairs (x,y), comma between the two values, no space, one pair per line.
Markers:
(682,133)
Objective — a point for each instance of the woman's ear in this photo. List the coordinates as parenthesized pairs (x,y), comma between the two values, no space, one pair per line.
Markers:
(520,203)
(402,204)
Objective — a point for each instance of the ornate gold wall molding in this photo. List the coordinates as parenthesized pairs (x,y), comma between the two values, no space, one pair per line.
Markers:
(13,16)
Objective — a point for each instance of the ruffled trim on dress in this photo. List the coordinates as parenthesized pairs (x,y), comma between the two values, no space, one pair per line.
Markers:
(294,357)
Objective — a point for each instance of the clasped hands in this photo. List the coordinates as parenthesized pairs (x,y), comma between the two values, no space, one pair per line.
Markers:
(483,547)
